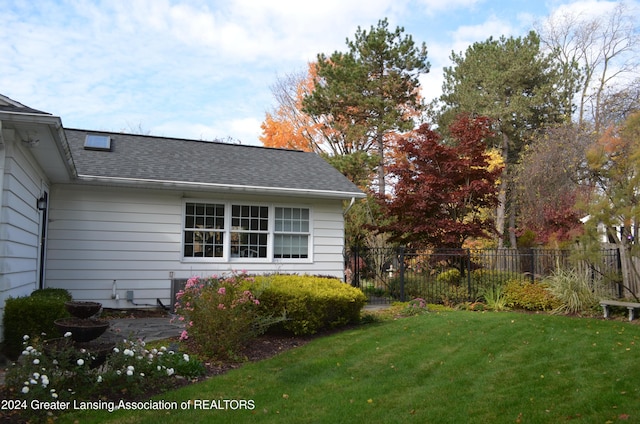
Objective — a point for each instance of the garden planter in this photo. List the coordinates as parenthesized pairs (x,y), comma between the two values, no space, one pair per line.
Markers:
(82,329)
(82,309)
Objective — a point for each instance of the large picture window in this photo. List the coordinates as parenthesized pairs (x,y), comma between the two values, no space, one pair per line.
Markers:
(227,231)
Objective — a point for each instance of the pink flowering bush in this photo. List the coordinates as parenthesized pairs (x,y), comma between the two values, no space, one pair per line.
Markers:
(221,314)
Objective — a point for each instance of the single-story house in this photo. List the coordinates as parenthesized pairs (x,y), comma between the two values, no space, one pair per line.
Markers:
(121,218)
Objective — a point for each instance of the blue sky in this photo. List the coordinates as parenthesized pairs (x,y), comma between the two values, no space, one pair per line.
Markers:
(203,69)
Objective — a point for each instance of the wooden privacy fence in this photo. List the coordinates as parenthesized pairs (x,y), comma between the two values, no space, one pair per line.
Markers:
(456,275)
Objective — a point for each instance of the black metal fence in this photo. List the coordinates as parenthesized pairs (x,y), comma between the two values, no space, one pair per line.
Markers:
(457,275)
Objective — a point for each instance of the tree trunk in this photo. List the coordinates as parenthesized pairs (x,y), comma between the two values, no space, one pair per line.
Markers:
(381,174)
(502,194)
(500,211)
(628,269)
(512,225)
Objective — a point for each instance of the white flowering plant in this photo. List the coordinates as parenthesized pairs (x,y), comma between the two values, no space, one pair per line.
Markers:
(43,375)
(61,371)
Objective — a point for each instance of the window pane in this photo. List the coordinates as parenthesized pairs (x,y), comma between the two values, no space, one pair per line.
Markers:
(249,237)
(206,242)
(291,246)
(292,220)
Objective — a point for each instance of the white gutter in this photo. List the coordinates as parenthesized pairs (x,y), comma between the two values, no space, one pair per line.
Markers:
(188,185)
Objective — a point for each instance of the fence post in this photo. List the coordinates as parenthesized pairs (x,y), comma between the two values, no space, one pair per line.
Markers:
(469,274)
(533,265)
(402,274)
(356,267)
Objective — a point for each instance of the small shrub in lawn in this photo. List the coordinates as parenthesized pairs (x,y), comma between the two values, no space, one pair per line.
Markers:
(415,306)
(221,314)
(530,296)
(311,304)
(473,306)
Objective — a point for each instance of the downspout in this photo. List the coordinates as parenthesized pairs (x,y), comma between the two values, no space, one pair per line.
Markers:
(353,200)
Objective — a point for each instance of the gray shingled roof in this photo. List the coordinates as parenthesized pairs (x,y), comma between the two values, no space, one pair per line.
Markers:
(180,161)
(9,105)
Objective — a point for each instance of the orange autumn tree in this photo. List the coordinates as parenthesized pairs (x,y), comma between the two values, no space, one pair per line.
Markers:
(288,126)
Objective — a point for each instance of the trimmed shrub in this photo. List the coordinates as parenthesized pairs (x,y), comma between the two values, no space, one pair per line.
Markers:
(450,276)
(61,294)
(311,303)
(32,315)
(530,296)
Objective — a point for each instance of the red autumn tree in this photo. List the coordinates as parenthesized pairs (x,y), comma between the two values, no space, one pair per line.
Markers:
(441,188)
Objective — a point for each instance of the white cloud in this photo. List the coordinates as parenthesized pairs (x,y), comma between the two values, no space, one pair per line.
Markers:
(585,9)
(202,68)
(464,36)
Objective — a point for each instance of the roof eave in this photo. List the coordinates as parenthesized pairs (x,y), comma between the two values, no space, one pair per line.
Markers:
(57,131)
(214,187)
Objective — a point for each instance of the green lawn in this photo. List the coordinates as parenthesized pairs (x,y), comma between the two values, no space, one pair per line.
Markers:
(446,367)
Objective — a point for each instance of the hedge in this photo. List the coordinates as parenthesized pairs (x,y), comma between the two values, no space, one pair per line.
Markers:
(32,315)
(311,303)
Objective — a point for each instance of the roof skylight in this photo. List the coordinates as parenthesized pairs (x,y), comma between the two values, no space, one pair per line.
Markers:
(97,142)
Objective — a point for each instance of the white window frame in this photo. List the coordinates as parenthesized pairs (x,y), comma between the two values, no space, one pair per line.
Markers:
(227,257)
(292,232)
(246,253)
(204,231)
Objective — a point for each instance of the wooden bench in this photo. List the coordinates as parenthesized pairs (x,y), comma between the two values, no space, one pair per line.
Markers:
(631,306)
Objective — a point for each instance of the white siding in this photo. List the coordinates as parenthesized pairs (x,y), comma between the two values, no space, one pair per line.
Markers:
(22,183)
(100,234)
